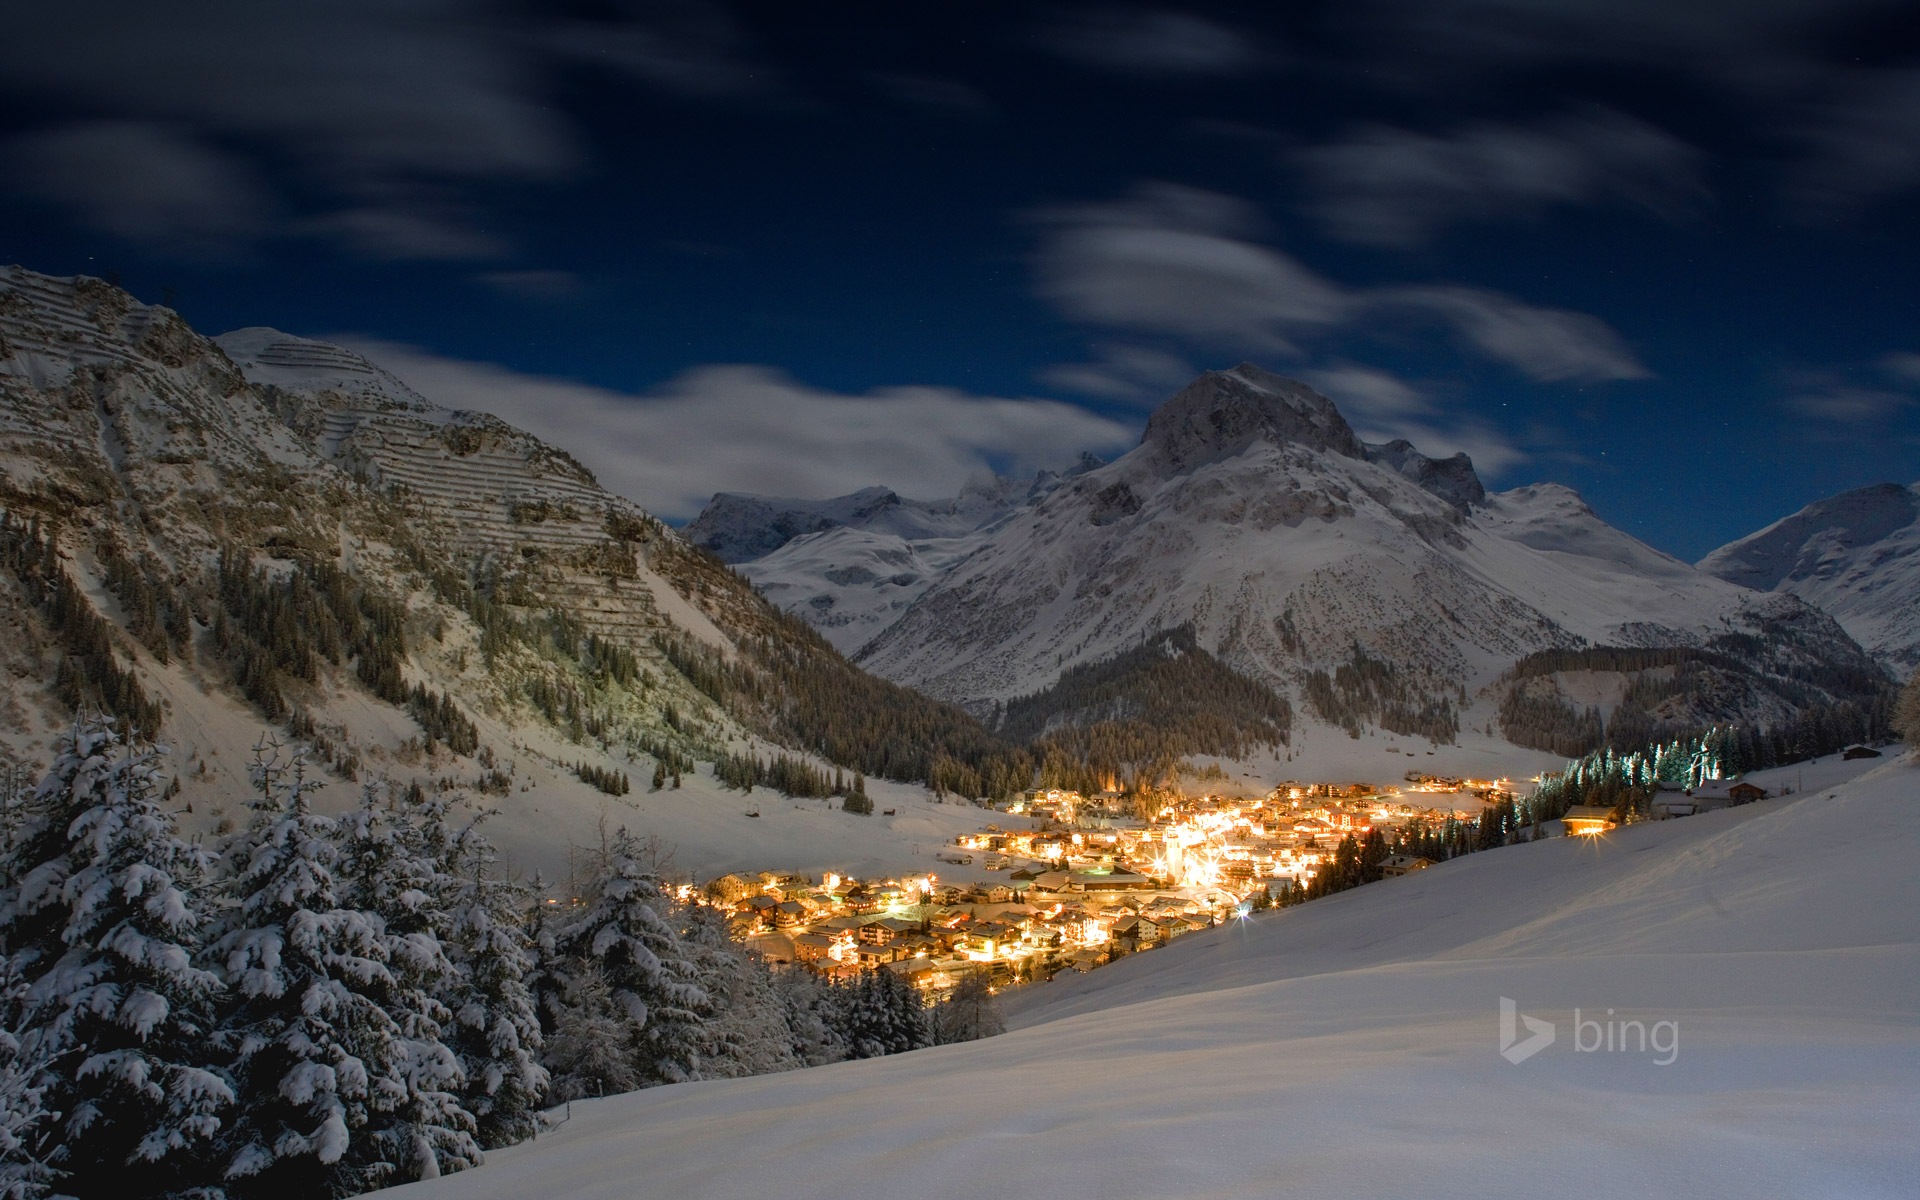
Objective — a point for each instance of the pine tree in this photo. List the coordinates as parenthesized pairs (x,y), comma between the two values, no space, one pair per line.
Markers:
(314,1053)
(968,1013)
(101,922)
(26,1127)
(650,980)
(586,1053)
(547,976)
(392,870)
(885,1015)
(745,1032)
(810,1007)
(496,1028)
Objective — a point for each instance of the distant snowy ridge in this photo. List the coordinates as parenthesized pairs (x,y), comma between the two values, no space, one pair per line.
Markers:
(1855,555)
(1252,513)
(850,565)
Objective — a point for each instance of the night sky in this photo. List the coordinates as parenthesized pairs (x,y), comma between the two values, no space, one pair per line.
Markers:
(1664,251)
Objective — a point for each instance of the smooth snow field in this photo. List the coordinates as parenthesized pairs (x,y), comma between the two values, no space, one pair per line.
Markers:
(1352,1047)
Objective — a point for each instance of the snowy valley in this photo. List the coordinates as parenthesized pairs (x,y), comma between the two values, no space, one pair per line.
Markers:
(1355,1044)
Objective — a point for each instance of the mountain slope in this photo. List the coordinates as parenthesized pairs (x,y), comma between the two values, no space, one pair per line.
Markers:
(1855,555)
(268,534)
(1350,1046)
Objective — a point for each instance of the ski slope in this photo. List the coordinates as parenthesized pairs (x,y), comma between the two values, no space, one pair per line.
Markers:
(1351,1047)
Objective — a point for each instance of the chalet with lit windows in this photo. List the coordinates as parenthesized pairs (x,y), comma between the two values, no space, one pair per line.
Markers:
(1586,820)
(812,947)
(1137,932)
(884,931)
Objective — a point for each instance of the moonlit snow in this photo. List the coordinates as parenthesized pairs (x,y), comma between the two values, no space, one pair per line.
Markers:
(1352,1046)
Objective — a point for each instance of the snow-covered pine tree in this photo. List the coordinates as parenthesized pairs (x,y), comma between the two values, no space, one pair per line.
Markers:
(624,936)
(101,917)
(547,978)
(587,1054)
(25,1123)
(968,1013)
(866,1022)
(745,1032)
(394,867)
(314,1054)
(885,1015)
(496,1028)
(810,1007)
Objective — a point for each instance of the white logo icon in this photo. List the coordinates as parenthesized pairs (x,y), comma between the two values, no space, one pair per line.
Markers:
(1511,1047)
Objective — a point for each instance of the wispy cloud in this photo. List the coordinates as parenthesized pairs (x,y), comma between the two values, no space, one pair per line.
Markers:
(1153,41)
(192,199)
(754,429)
(376,122)
(1855,406)
(1128,373)
(1903,366)
(1180,261)
(692,47)
(1545,344)
(1863,143)
(1388,186)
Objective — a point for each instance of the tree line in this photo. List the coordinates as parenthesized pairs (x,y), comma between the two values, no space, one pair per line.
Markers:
(1367,689)
(88,673)
(1690,684)
(1623,782)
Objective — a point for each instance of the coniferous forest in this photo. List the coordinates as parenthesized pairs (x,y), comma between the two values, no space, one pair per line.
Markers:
(1625,782)
(318,1006)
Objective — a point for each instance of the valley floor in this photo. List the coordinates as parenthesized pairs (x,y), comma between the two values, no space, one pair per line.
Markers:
(1352,1046)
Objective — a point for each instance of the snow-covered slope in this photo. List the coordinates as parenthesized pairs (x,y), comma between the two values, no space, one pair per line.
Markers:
(852,583)
(1251,512)
(1353,1046)
(738,527)
(1855,555)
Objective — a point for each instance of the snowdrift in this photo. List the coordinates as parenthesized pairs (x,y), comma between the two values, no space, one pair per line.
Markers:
(1353,1046)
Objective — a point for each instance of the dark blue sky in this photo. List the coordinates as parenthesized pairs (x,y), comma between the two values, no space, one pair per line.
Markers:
(1662,252)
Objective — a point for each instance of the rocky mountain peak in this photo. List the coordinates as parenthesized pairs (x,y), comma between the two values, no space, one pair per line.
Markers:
(1223,412)
(1452,479)
(271,358)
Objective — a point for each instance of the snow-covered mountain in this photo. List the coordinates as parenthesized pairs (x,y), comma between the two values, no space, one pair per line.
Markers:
(1252,513)
(1855,555)
(852,564)
(738,527)
(268,535)
(1353,1046)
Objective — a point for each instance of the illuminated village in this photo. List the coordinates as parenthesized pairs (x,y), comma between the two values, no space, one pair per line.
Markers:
(1079,882)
